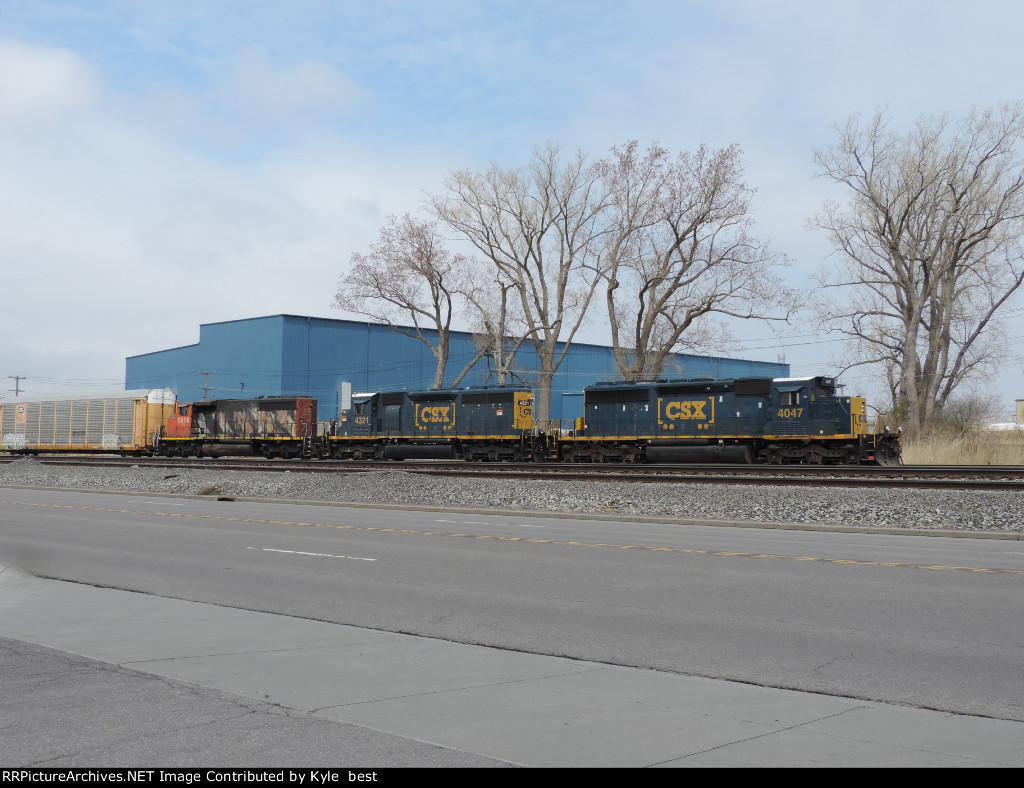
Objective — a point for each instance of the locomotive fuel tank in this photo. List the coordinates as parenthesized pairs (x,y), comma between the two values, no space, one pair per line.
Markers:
(714,453)
(227,449)
(419,451)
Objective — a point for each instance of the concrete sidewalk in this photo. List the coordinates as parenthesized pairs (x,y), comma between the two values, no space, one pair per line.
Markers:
(276,691)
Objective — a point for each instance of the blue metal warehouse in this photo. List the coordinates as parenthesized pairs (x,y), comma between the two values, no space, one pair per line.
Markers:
(292,355)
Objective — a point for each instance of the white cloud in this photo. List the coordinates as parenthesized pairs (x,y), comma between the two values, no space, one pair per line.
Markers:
(39,83)
(252,84)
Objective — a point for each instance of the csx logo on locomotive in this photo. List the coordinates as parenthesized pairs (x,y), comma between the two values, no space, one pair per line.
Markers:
(702,410)
(694,409)
(435,414)
(686,409)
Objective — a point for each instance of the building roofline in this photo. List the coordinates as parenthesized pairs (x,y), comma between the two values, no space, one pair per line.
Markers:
(165,350)
(351,321)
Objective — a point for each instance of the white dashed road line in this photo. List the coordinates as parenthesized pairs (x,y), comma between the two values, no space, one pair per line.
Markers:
(477,522)
(319,555)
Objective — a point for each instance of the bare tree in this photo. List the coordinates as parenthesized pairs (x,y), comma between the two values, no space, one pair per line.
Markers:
(498,330)
(678,250)
(929,248)
(409,276)
(539,228)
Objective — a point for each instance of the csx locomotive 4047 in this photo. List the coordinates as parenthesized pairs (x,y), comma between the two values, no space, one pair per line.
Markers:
(745,420)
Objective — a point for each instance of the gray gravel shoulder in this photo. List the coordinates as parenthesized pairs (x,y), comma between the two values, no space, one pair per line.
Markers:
(962,511)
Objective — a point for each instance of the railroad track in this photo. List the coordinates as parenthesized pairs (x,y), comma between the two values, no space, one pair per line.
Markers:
(904,476)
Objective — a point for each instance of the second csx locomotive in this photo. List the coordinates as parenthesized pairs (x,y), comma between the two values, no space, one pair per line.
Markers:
(765,420)
(485,424)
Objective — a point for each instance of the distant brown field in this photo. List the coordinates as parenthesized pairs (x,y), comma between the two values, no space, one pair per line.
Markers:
(975,448)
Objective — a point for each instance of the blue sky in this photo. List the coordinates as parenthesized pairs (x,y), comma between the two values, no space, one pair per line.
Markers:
(167,164)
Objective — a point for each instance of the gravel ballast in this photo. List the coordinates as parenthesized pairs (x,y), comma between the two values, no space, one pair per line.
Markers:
(966,510)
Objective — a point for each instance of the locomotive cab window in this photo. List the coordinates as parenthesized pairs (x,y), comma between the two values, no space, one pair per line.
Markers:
(790,398)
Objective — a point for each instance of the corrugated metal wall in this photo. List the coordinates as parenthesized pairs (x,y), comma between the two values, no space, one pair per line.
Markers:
(243,357)
(291,355)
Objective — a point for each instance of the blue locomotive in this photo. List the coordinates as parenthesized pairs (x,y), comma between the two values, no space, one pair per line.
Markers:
(766,420)
(487,424)
(745,420)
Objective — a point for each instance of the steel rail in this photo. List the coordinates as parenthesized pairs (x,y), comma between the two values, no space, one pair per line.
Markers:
(904,476)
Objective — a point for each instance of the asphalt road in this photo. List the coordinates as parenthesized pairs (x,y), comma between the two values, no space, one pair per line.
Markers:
(928,622)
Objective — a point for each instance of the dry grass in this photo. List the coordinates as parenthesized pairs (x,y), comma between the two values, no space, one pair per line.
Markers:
(975,448)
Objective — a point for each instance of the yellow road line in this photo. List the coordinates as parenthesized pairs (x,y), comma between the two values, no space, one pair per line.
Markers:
(519,539)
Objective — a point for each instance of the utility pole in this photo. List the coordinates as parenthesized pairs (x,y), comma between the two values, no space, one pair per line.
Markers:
(17,380)
(206,377)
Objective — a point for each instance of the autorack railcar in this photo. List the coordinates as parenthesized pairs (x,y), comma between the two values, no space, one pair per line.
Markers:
(125,422)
